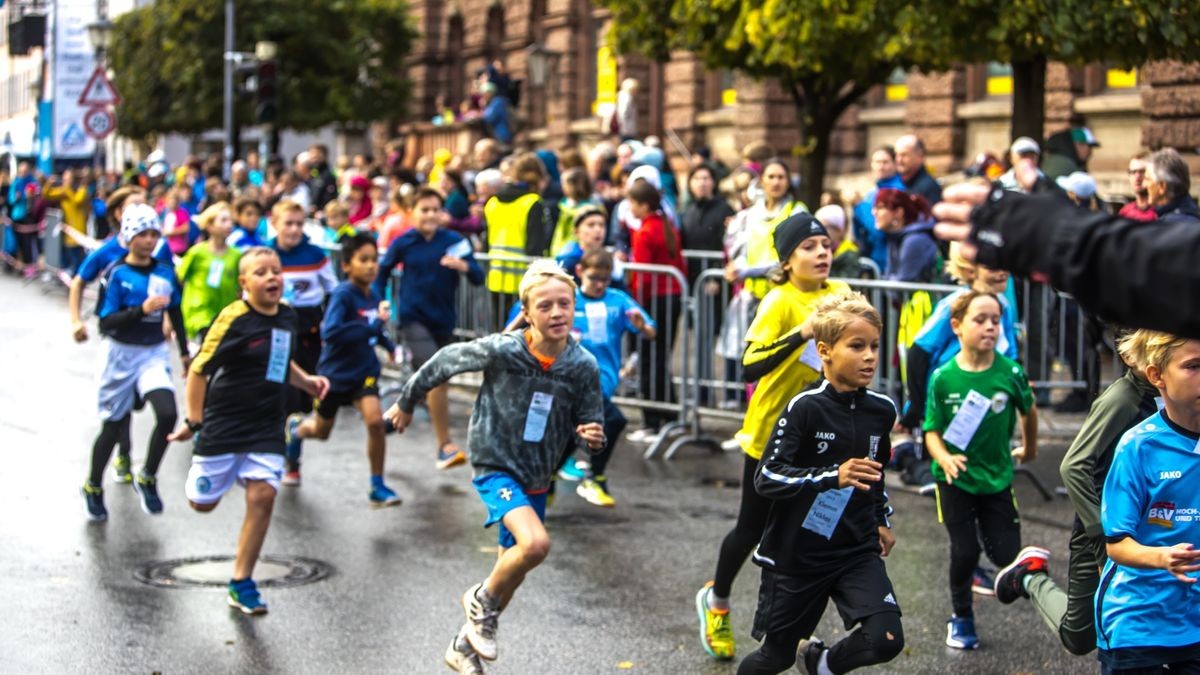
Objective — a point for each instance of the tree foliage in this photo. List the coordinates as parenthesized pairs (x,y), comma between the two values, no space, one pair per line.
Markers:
(340,61)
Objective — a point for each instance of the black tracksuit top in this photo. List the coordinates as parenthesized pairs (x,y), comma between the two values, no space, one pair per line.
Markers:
(819,430)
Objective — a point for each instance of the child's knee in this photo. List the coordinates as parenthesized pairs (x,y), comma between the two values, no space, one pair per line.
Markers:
(536,549)
(259,494)
(885,634)
(202,508)
(375,425)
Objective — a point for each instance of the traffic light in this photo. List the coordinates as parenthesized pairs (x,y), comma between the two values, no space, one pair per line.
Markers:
(267,110)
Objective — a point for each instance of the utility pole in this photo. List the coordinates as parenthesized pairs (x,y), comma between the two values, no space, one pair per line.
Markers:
(228,58)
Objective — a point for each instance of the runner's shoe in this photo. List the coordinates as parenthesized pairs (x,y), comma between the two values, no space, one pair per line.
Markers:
(716,630)
(595,491)
(809,654)
(292,439)
(121,470)
(147,489)
(383,496)
(93,498)
(450,458)
(480,629)
(573,471)
(244,596)
(982,582)
(960,633)
(291,477)
(1010,581)
(464,664)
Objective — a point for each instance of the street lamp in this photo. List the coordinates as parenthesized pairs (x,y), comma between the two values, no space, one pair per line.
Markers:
(542,64)
(100,34)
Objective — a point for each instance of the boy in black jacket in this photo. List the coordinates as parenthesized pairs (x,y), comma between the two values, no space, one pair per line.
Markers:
(829,528)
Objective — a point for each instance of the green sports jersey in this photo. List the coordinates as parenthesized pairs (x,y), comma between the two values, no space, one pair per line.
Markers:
(989,460)
(210,283)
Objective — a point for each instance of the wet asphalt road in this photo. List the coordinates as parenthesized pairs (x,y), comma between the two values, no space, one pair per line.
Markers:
(616,593)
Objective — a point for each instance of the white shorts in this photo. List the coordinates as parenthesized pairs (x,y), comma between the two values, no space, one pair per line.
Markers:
(130,372)
(211,477)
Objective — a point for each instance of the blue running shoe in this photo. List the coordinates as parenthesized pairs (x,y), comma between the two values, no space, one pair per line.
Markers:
(983,583)
(450,455)
(244,596)
(382,496)
(574,471)
(960,633)
(147,489)
(93,498)
(293,440)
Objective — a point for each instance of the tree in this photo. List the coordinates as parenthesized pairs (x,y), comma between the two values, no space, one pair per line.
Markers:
(825,53)
(339,62)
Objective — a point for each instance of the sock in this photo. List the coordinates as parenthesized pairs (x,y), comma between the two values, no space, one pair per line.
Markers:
(376,482)
(823,664)
(486,598)
(1025,582)
(716,603)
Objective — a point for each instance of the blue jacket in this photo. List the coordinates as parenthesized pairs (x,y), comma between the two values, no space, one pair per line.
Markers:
(912,253)
(496,116)
(350,331)
(871,239)
(427,289)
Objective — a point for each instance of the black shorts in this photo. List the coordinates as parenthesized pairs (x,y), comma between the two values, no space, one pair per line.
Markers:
(328,407)
(422,343)
(859,589)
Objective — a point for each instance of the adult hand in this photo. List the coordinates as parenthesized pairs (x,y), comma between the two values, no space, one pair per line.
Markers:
(859,473)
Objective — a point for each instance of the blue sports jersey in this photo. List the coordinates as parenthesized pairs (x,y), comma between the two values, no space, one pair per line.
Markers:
(243,239)
(1152,494)
(939,341)
(599,326)
(350,331)
(128,286)
(98,262)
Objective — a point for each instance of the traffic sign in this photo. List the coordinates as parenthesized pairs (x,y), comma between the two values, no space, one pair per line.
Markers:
(99,90)
(99,122)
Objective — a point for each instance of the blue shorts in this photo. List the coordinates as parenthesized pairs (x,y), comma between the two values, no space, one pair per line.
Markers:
(501,493)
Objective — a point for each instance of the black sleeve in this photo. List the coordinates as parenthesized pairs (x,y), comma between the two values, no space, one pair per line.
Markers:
(120,319)
(758,361)
(781,474)
(537,231)
(176,315)
(1126,272)
(918,386)
(879,495)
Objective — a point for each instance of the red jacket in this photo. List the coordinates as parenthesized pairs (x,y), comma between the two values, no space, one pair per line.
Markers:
(648,245)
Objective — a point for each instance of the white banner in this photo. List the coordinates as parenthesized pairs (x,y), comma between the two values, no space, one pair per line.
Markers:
(73,59)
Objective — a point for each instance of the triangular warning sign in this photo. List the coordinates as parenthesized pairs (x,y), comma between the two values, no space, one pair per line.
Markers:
(99,91)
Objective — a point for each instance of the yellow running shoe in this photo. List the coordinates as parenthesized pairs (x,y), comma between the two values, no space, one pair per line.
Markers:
(594,491)
(716,631)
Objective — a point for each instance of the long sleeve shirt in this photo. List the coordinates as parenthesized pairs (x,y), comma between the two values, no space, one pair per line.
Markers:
(427,289)
(350,332)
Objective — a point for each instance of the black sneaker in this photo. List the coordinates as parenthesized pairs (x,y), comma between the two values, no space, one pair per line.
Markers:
(93,498)
(147,489)
(1010,580)
(810,652)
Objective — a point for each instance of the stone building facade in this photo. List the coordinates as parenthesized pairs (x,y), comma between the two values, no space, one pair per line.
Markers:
(957,113)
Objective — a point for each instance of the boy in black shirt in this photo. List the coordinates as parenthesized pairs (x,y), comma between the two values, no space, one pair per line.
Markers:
(237,391)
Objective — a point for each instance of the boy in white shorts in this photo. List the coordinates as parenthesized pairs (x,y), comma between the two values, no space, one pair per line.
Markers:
(237,392)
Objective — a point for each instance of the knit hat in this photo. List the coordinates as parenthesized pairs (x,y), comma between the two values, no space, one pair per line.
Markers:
(832,216)
(136,219)
(794,230)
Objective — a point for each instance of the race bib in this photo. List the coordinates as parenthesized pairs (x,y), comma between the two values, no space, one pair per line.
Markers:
(826,511)
(967,420)
(216,270)
(809,356)
(538,415)
(158,287)
(460,250)
(597,321)
(281,352)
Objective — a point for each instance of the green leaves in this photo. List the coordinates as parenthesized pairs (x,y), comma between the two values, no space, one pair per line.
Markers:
(340,61)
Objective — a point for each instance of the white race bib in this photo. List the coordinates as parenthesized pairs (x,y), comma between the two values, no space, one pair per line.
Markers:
(967,420)
(597,321)
(158,287)
(826,511)
(809,356)
(216,270)
(538,415)
(460,250)
(281,352)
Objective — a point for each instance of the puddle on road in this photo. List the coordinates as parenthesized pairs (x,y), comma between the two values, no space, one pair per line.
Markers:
(271,571)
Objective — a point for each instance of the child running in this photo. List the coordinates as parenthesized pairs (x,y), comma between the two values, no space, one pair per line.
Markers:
(828,529)
(237,392)
(782,357)
(1147,616)
(540,391)
(208,272)
(974,402)
(434,260)
(355,323)
(138,364)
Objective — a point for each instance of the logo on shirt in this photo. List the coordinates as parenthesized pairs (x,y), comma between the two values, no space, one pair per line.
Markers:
(203,485)
(506,494)
(999,402)
(874,446)
(826,436)
(1168,475)
(890,599)
(1162,513)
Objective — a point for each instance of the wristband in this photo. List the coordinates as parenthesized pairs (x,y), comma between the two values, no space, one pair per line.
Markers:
(193,426)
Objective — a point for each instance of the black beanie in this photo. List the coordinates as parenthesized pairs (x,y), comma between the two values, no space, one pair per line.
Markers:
(794,230)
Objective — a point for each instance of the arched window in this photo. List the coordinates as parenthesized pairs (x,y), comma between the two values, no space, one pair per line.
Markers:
(454,75)
(493,42)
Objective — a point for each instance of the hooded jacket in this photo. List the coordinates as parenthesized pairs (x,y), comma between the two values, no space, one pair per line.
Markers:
(912,253)
(1060,158)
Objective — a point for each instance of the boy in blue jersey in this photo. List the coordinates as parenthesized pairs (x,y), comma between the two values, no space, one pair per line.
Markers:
(355,323)
(138,364)
(434,259)
(602,317)
(1147,607)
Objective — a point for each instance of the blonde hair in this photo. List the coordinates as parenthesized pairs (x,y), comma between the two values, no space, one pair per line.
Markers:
(834,314)
(1131,347)
(958,267)
(1158,348)
(336,207)
(285,206)
(539,272)
(254,252)
(210,214)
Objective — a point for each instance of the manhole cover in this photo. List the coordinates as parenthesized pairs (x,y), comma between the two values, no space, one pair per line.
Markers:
(272,571)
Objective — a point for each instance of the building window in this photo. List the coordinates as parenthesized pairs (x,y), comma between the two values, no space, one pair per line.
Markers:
(455,69)
(493,41)
(1115,78)
(999,79)
(895,89)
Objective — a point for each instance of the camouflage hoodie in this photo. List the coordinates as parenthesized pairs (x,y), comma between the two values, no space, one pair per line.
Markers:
(524,418)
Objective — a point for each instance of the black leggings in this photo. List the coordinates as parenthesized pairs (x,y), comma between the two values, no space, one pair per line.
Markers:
(970,518)
(112,432)
(28,244)
(745,535)
(879,638)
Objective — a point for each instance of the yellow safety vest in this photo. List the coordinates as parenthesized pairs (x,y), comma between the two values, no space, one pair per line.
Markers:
(760,246)
(506,225)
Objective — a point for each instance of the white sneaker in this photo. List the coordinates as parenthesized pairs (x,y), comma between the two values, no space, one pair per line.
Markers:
(731,445)
(641,436)
(464,664)
(480,628)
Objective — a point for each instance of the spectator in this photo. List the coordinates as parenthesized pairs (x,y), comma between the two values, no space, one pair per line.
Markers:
(1081,189)
(495,114)
(869,237)
(486,154)
(1022,148)
(704,220)
(1168,181)
(552,192)
(1068,151)
(398,218)
(910,162)
(71,194)
(1140,208)
(845,256)
(760,220)
(577,194)
(456,215)
(623,122)
(321,182)
(517,225)
(912,251)
(294,189)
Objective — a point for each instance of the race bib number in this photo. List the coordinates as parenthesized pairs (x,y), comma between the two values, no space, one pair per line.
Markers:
(537,417)
(216,270)
(281,352)
(597,321)
(460,250)
(826,511)
(967,420)
(809,356)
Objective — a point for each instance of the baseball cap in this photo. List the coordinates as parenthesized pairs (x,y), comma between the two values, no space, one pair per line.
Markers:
(1024,145)
(1084,135)
(1080,183)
